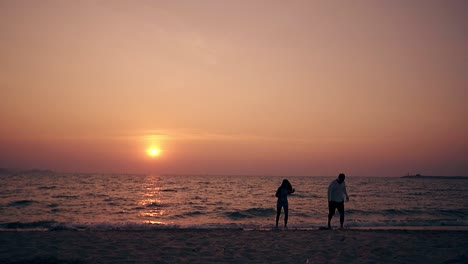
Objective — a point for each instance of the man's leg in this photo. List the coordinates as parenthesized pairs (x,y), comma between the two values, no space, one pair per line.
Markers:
(340,208)
(331,212)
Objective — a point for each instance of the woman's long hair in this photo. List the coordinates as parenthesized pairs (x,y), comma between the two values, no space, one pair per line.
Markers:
(286,184)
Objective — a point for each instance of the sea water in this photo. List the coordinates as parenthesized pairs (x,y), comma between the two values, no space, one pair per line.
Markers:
(51,201)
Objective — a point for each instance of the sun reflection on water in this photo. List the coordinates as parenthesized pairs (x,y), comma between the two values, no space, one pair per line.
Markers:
(152,201)
(155,222)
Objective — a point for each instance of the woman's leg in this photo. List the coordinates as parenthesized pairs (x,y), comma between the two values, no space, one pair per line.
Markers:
(278,213)
(286,211)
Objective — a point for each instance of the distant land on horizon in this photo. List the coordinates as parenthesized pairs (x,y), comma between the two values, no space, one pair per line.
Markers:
(38,171)
(24,171)
(419,176)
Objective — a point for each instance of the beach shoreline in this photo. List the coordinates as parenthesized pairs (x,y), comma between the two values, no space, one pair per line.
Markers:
(235,246)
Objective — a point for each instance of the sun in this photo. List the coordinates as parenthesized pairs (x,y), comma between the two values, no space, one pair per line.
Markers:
(153,152)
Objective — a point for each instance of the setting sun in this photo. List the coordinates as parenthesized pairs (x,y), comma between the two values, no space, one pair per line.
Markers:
(153,152)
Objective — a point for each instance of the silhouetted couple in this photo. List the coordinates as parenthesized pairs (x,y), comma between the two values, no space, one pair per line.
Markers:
(336,195)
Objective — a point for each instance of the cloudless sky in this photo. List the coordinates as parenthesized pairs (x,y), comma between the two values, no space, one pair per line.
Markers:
(371,88)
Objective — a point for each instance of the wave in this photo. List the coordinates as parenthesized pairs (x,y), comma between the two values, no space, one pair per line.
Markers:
(21,203)
(251,213)
(28,225)
(419,193)
(154,204)
(99,195)
(46,187)
(169,190)
(188,214)
(66,196)
(306,195)
(149,225)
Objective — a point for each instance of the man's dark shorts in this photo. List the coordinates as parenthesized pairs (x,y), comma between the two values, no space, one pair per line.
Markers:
(332,206)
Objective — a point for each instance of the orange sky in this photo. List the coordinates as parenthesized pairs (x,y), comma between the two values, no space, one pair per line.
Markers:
(371,88)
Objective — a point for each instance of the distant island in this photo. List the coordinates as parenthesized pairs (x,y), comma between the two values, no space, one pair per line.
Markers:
(412,176)
(419,176)
(24,171)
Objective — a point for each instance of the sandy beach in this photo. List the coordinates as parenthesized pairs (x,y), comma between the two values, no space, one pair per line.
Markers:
(236,246)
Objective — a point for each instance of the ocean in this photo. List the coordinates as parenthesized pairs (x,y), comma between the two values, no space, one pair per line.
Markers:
(56,201)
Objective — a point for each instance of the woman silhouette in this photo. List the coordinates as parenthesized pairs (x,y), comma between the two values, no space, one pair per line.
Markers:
(282,193)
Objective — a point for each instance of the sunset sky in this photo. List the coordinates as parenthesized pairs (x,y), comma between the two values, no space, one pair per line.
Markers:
(369,88)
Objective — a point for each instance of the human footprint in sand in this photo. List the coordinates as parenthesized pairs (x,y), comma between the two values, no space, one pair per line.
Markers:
(282,193)
(336,194)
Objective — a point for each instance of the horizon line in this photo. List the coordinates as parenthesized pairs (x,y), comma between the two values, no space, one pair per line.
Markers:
(4,170)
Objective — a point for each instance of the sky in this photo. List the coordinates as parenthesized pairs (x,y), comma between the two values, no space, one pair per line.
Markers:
(368,88)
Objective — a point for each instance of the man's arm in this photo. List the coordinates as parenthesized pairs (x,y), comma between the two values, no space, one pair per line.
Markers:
(345,192)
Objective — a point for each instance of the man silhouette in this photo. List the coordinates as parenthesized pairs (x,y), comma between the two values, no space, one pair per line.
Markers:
(336,194)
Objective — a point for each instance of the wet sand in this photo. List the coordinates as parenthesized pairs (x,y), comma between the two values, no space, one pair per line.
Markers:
(235,246)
